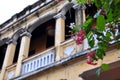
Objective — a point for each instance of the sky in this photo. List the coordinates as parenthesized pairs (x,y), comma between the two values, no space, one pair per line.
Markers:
(10,7)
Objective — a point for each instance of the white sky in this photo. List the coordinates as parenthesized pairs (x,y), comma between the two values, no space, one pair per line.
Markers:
(9,7)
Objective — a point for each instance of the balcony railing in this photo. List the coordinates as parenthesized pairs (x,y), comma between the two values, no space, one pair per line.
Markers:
(38,62)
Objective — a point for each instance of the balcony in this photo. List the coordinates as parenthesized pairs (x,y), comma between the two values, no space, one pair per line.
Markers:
(42,60)
(38,61)
(68,48)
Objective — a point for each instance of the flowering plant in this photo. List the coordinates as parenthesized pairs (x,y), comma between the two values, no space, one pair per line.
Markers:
(101,28)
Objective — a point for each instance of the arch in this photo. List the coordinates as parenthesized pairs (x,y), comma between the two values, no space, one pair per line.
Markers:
(17,34)
(32,27)
(64,10)
(66,7)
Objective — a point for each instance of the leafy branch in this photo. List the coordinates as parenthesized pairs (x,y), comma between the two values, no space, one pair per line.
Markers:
(102,26)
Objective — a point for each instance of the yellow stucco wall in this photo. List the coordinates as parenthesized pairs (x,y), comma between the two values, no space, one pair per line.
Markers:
(68,71)
(73,69)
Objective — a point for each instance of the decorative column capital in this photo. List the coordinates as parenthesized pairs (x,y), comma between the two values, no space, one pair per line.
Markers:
(59,15)
(11,41)
(77,6)
(26,34)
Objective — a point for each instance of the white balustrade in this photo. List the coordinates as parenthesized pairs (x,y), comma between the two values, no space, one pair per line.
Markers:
(38,62)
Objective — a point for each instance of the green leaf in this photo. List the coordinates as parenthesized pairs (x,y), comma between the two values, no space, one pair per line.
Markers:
(94,58)
(103,46)
(89,36)
(110,16)
(105,66)
(118,37)
(107,38)
(76,28)
(81,1)
(106,5)
(118,46)
(99,53)
(87,25)
(98,72)
(115,6)
(108,33)
(90,39)
(101,23)
(98,3)
(91,43)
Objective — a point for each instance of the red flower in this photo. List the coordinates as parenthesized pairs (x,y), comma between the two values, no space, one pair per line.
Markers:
(78,41)
(81,33)
(90,58)
(80,36)
(91,54)
(91,63)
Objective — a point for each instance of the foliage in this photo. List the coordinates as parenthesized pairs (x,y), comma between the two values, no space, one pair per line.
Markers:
(106,19)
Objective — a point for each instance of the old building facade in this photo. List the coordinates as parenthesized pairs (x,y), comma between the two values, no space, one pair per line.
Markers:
(35,44)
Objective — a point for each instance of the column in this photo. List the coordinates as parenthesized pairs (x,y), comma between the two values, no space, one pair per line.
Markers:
(24,50)
(79,19)
(78,14)
(8,56)
(59,34)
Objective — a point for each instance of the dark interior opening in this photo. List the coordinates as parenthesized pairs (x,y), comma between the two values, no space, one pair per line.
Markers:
(2,54)
(42,37)
(17,51)
(91,9)
(70,18)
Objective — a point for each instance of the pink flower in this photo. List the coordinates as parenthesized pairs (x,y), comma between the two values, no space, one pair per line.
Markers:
(91,54)
(90,58)
(81,33)
(80,36)
(78,41)
(91,63)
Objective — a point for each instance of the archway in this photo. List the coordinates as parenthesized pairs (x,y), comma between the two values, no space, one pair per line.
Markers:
(42,37)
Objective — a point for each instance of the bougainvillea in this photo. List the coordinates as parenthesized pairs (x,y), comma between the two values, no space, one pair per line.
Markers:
(80,36)
(101,25)
(90,56)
